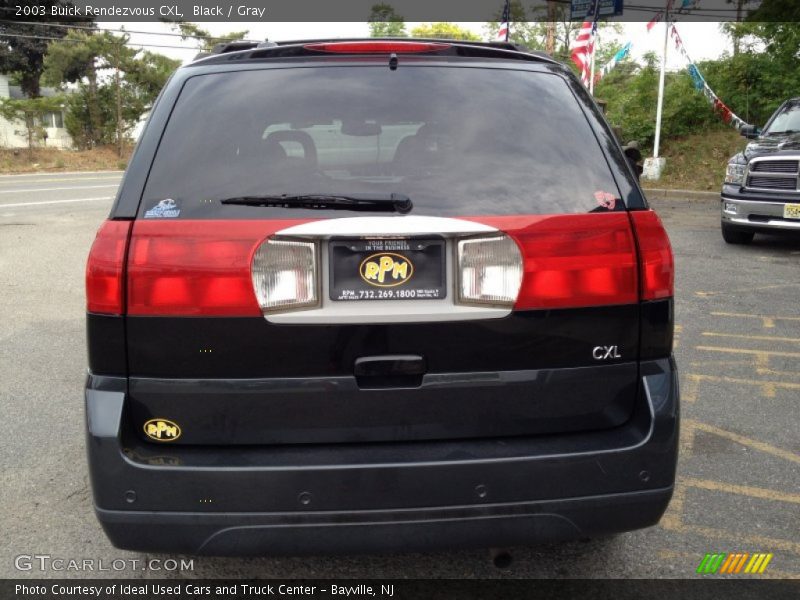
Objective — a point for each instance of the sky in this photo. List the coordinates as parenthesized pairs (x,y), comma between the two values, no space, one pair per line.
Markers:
(702,41)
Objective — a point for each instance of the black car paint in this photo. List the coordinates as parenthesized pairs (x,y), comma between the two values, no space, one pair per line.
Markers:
(349,498)
(513,487)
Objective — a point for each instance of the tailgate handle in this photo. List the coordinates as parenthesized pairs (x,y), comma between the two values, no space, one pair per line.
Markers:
(397,370)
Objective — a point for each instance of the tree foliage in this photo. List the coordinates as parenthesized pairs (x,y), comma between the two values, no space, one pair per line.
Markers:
(116,84)
(29,112)
(385,22)
(24,56)
(192,31)
(445,31)
(529,28)
(752,83)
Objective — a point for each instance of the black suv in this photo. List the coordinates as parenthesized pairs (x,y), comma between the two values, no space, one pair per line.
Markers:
(376,295)
(761,192)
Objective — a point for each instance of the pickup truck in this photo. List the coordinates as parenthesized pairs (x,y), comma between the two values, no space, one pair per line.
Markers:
(761,192)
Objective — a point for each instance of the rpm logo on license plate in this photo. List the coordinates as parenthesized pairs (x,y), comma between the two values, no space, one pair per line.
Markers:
(387,269)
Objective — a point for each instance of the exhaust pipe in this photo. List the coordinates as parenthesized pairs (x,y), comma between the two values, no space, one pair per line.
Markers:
(501,558)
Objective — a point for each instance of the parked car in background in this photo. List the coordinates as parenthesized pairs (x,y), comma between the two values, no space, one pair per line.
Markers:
(761,192)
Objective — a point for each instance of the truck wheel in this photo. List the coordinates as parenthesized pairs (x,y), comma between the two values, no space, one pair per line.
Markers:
(733,235)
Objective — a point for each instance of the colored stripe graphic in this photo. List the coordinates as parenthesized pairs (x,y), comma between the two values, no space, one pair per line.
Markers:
(725,563)
(758,563)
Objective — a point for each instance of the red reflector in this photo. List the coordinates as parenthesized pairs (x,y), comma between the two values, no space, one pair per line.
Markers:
(105,269)
(573,260)
(195,267)
(398,47)
(658,268)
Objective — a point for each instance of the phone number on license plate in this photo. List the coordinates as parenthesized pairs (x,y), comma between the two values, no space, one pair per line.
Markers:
(389,294)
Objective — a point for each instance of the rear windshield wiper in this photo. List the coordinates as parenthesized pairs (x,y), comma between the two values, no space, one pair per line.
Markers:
(369,202)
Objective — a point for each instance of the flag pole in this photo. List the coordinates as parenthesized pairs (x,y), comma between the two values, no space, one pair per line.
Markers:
(660,105)
(595,39)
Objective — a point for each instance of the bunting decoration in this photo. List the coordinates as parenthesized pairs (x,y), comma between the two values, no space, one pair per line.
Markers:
(621,54)
(687,5)
(700,84)
(655,20)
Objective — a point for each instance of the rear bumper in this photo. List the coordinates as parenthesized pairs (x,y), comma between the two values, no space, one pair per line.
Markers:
(382,497)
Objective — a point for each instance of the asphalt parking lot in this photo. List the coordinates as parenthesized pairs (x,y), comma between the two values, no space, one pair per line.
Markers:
(737,347)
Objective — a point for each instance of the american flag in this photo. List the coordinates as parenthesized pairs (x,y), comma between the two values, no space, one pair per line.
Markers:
(582,49)
(502,33)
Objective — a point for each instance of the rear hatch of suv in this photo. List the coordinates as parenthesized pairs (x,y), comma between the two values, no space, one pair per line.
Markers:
(344,251)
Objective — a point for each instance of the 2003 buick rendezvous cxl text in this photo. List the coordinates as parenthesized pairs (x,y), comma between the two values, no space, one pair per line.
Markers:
(378,295)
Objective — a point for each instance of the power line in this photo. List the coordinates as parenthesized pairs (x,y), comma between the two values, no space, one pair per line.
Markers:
(86,28)
(58,39)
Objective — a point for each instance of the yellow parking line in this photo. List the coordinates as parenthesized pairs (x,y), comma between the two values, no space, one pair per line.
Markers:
(672,517)
(707,363)
(743,440)
(769,388)
(702,294)
(768,320)
(742,490)
(760,353)
(742,539)
(691,388)
(686,441)
(768,338)
(672,521)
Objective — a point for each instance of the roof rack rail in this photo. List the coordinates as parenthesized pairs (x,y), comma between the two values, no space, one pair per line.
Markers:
(234,46)
(288,48)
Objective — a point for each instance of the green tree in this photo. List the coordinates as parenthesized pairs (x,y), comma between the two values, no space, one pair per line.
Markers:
(24,56)
(526,33)
(445,31)
(385,22)
(192,31)
(29,112)
(116,84)
(530,29)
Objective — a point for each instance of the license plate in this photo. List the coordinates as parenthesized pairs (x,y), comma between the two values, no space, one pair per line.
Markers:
(791,211)
(387,269)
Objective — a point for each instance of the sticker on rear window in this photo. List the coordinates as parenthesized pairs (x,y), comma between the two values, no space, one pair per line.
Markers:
(165,209)
(605,199)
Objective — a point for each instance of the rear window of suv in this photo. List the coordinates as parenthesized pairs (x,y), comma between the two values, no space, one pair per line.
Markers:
(456,140)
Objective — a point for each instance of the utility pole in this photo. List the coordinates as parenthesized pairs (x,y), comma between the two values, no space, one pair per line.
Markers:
(119,98)
(550,40)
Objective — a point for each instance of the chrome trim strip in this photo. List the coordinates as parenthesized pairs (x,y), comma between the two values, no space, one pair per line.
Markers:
(387,311)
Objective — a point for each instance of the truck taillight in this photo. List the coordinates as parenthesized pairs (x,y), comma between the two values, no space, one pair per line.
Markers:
(285,275)
(489,271)
(105,269)
(657,265)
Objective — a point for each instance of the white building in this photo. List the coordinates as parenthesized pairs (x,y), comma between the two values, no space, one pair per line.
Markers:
(13,134)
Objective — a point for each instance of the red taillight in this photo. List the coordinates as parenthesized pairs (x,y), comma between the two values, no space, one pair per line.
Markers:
(657,268)
(105,269)
(377,47)
(573,260)
(195,267)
